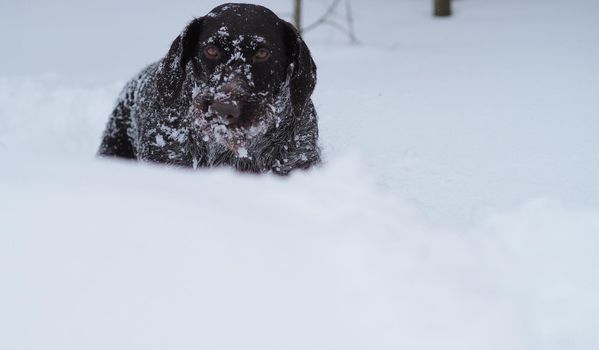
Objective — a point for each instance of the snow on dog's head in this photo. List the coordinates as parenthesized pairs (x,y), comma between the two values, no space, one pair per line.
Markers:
(242,67)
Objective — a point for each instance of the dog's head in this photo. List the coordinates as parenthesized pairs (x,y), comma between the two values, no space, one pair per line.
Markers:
(249,67)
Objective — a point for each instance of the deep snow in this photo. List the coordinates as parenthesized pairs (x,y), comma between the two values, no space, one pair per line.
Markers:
(100,255)
(458,206)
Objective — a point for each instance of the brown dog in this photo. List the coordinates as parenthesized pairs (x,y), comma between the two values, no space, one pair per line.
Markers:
(234,89)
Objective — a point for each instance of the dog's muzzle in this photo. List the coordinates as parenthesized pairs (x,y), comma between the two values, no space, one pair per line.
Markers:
(227,112)
(228,105)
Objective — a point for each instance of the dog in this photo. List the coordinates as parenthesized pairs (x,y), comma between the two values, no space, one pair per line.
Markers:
(233,90)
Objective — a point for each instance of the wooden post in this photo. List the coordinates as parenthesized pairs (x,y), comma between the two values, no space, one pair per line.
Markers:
(297,15)
(442,8)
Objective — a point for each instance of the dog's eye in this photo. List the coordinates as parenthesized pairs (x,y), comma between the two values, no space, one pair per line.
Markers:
(212,52)
(261,55)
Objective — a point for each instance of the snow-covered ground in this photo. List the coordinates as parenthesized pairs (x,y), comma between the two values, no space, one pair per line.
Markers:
(458,207)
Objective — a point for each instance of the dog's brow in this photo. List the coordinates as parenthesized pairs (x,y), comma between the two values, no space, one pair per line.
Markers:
(236,56)
(239,40)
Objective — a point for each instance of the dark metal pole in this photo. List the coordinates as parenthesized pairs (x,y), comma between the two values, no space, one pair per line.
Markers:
(297,15)
(442,8)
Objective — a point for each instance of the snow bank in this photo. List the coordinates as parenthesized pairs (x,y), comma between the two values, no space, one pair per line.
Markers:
(49,116)
(103,255)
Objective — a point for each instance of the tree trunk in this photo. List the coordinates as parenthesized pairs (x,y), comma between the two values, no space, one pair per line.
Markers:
(297,15)
(442,8)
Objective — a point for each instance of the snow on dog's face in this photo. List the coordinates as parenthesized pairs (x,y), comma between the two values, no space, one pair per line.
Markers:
(241,63)
(241,78)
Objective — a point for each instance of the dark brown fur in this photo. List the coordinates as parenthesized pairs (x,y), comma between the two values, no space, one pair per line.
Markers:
(190,109)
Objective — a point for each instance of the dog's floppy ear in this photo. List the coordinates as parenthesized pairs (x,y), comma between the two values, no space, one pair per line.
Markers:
(303,70)
(172,70)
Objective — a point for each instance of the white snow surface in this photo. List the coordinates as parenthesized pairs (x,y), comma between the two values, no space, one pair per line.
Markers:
(457,208)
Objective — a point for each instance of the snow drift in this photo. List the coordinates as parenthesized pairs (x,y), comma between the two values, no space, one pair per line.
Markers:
(120,256)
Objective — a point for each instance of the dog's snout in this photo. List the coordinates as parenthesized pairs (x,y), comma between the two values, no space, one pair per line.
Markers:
(227,111)
(235,87)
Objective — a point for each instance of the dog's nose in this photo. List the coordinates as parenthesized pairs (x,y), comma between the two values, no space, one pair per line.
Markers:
(229,112)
